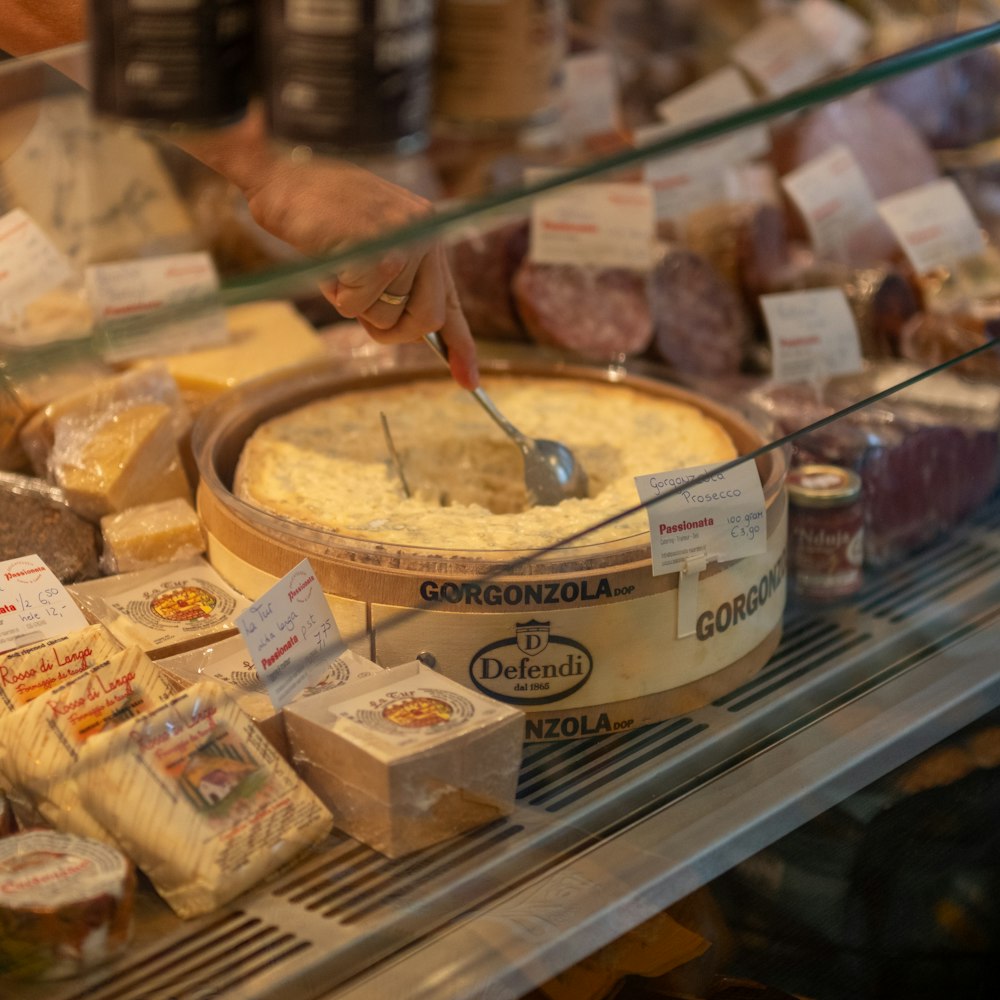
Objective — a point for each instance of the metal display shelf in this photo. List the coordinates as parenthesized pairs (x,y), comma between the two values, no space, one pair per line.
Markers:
(607,831)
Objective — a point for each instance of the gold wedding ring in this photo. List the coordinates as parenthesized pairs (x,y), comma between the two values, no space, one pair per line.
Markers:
(393,300)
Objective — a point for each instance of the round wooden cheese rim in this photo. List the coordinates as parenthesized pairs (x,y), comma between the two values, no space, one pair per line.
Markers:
(367,571)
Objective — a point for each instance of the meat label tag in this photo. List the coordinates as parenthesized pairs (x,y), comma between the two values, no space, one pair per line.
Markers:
(935,225)
(700,515)
(813,334)
(34,604)
(157,305)
(291,634)
(841,30)
(835,200)
(589,98)
(595,225)
(782,54)
(30,263)
(714,96)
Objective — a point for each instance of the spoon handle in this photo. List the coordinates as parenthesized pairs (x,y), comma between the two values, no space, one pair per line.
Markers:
(441,350)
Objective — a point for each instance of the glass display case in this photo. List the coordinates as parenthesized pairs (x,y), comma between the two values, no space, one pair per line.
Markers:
(860,166)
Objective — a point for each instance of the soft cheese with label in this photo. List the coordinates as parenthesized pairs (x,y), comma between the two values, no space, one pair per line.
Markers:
(41,742)
(199,798)
(29,671)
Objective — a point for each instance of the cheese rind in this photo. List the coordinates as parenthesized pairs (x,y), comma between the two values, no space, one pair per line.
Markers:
(151,534)
(200,799)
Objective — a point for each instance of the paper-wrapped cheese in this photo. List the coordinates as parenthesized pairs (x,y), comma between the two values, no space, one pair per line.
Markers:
(199,799)
(65,904)
(150,535)
(29,671)
(41,742)
(164,609)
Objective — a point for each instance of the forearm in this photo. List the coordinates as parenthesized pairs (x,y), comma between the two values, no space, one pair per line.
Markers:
(28,26)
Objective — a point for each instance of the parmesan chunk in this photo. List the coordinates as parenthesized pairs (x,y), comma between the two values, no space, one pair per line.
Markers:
(151,534)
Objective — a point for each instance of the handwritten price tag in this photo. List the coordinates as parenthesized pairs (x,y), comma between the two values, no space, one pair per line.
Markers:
(34,605)
(719,519)
(291,635)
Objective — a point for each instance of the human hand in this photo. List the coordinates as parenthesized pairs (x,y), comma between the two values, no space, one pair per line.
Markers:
(320,206)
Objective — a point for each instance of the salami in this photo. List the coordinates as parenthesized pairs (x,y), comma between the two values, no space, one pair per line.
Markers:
(599,313)
(701,328)
(483,265)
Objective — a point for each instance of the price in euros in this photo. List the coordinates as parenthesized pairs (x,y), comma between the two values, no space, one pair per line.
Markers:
(747,526)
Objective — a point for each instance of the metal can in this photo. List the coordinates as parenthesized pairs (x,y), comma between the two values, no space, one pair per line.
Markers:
(164,63)
(348,76)
(825,532)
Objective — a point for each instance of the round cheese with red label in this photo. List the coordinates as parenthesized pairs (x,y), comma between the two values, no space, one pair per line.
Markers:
(65,904)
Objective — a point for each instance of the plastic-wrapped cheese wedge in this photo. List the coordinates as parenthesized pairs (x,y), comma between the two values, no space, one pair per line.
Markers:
(65,905)
(40,743)
(199,799)
(29,671)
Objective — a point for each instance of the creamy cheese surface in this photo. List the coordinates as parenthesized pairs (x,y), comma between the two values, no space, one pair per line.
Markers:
(327,464)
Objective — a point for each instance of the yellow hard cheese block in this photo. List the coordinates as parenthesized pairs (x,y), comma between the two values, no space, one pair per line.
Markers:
(264,336)
(128,459)
(151,534)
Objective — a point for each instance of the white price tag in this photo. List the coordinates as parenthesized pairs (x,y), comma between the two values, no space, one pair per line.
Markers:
(127,295)
(589,100)
(834,198)
(718,519)
(718,94)
(291,634)
(934,224)
(595,225)
(30,263)
(34,605)
(782,54)
(843,32)
(813,334)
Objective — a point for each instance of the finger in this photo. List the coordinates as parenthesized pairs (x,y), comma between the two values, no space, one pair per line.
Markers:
(356,287)
(384,314)
(457,335)
(426,309)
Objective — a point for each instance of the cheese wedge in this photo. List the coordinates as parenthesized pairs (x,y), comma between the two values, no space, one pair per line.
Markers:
(150,535)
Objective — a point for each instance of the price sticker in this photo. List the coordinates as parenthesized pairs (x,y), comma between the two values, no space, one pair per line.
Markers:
(291,635)
(30,263)
(34,605)
(595,225)
(935,225)
(589,99)
(157,305)
(699,515)
(782,54)
(813,334)
(834,198)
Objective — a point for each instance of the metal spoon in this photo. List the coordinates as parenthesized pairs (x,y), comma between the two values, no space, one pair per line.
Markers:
(551,473)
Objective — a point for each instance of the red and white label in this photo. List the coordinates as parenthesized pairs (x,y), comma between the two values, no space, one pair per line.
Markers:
(30,263)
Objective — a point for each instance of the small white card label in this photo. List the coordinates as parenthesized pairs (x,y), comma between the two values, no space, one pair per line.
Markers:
(834,198)
(718,94)
(127,295)
(30,263)
(843,32)
(782,54)
(34,605)
(589,98)
(719,519)
(813,334)
(291,634)
(595,225)
(934,224)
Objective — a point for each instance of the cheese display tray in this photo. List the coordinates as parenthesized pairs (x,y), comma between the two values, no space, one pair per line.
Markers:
(583,637)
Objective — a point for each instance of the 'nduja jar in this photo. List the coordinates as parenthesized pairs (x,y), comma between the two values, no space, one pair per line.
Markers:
(825,531)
